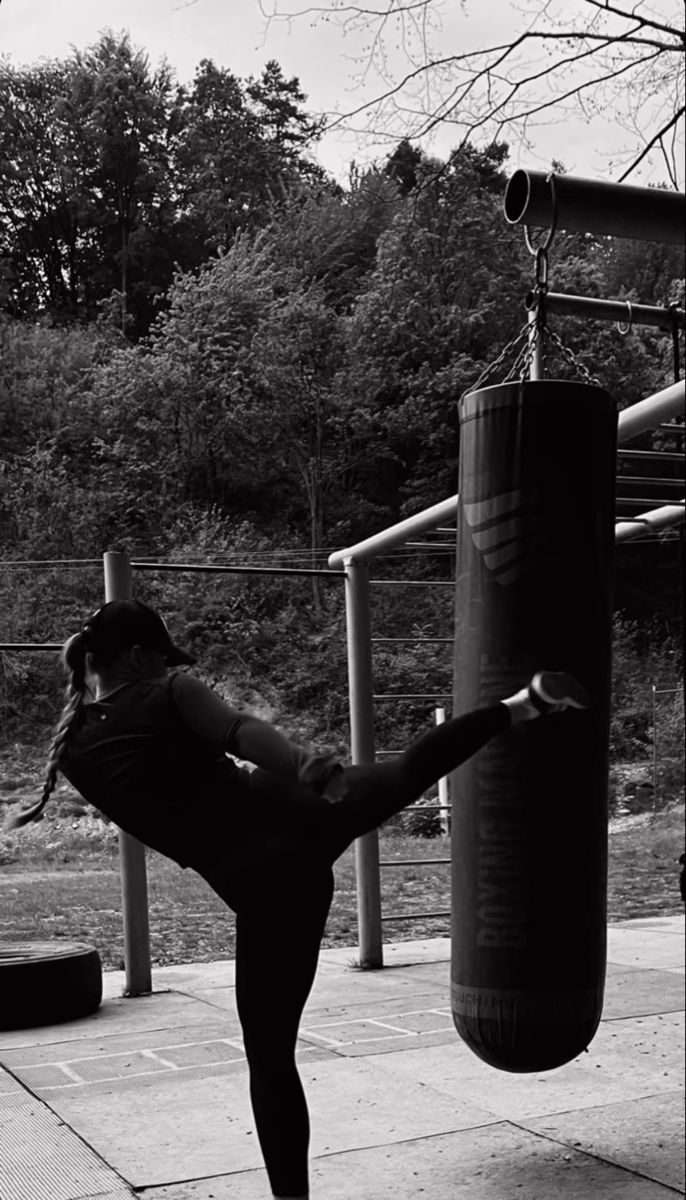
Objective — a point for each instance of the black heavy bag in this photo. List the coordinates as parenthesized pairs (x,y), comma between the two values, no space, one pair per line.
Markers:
(529,833)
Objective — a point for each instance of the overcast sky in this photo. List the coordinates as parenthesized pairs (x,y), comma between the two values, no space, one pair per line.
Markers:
(234,35)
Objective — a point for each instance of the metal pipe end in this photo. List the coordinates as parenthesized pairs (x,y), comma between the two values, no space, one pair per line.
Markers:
(517,197)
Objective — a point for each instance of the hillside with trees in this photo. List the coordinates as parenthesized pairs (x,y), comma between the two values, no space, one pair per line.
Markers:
(212,352)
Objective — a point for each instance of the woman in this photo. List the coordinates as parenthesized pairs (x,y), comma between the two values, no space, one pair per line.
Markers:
(148,747)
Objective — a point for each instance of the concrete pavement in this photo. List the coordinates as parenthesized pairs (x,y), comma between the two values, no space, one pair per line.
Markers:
(148,1097)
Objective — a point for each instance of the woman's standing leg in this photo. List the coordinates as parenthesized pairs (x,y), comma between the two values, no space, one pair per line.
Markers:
(281,913)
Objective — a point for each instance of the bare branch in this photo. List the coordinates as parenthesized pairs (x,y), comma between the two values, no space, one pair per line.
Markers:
(614,57)
(653,141)
(633,16)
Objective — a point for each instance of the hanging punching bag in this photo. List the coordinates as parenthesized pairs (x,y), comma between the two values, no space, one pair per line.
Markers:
(529,828)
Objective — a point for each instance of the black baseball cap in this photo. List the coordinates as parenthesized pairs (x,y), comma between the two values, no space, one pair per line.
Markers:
(120,624)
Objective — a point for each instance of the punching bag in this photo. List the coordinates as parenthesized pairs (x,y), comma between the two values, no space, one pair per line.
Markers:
(535,543)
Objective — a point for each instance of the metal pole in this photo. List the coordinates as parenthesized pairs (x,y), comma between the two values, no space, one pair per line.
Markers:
(443,793)
(654,749)
(361,690)
(396,535)
(535,344)
(592,206)
(648,522)
(649,412)
(134,883)
(621,311)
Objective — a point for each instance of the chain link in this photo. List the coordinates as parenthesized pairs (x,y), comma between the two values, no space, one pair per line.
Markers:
(575,362)
(488,371)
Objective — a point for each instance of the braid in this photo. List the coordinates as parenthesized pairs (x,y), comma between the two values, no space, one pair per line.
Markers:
(74,663)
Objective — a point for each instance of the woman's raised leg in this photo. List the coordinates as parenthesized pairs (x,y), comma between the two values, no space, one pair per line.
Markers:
(375,793)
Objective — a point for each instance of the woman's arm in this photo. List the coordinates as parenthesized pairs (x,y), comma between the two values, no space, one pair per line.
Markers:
(236,732)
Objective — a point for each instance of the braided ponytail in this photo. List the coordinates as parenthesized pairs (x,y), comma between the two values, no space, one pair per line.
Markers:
(73,659)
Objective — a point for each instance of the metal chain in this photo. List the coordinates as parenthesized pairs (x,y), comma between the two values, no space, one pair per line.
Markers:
(487,371)
(569,355)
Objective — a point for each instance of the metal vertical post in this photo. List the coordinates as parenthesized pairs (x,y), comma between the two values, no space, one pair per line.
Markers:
(443,792)
(535,343)
(361,689)
(654,694)
(134,883)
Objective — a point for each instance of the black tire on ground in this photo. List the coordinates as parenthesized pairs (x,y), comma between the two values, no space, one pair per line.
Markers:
(44,983)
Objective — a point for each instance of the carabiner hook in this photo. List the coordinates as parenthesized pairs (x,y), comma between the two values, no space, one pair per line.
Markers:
(629,327)
(553,223)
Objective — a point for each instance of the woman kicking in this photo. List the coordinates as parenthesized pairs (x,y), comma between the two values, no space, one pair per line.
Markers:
(148,747)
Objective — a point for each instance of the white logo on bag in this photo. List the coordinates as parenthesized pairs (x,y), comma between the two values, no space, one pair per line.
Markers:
(510,545)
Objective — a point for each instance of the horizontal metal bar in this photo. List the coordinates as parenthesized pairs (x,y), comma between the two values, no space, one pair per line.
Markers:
(51,562)
(412,695)
(653,455)
(431,545)
(673,428)
(428,808)
(414,582)
(24,646)
(621,311)
(644,500)
(415,862)
(649,479)
(415,641)
(423,916)
(212,570)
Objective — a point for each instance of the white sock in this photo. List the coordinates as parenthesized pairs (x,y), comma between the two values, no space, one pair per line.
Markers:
(521,708)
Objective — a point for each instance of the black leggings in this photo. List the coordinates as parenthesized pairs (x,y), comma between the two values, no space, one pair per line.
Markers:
(278,879)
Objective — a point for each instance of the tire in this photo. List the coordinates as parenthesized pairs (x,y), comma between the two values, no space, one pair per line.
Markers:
(45,983)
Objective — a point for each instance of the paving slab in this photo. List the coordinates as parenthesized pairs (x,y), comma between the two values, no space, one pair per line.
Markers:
(641,944)
(646,1136)
(500,1162)
(115,1017)
(630,991)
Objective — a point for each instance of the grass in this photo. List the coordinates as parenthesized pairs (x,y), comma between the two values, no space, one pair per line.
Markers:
(60,880)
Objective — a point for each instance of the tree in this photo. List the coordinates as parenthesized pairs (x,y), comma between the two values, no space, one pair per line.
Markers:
(46,262)
(87,206)
(277,102)
(330,235)
(594,57)
(443,299)
(240,148)
(123,111)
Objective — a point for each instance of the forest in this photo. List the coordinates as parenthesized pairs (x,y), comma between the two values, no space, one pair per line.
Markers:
(212,352)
